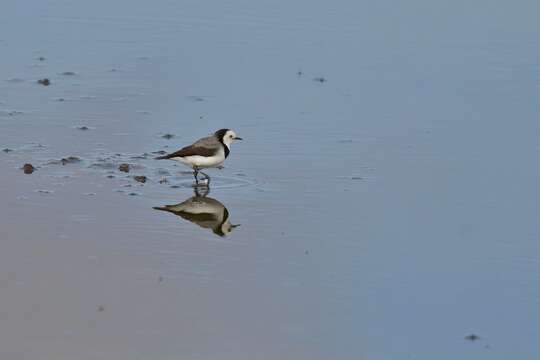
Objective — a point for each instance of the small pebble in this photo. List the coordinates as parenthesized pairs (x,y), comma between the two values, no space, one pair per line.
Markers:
(41,58)
(44,82)
(124,167)
(141,178)
(28,168)
(472,337)
(70,160)
(319,79)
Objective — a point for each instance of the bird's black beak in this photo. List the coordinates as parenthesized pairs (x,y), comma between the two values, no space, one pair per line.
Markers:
(238,138)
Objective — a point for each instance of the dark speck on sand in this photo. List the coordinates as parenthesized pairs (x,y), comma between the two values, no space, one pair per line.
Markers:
(68,73)
(6,150)
(28,168)
(319,79)
(141,179)
(83,128)
(101,308)
(124,167)
(168,136)
(472,337)
(44,82)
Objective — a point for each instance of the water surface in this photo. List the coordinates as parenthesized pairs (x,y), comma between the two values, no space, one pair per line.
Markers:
(386,189)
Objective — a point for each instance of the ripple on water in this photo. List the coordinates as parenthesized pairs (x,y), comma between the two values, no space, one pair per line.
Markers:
(216,182)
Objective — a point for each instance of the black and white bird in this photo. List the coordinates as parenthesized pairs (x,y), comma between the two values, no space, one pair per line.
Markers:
(207,152)
(204,211)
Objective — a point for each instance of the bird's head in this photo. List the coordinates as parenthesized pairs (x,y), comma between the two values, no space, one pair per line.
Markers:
(226,136)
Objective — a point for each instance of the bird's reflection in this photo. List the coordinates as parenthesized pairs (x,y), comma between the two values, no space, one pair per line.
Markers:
(204,211)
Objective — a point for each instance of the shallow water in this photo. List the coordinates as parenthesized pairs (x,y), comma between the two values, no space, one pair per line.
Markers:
(386,189)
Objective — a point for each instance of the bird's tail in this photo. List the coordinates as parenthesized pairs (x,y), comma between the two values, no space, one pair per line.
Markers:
(164,208)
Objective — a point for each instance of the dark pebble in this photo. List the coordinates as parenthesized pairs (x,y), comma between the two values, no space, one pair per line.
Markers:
(141,179)
(28,168)
(168,136)
(70,160)
(124,167)
(68,73)
(83,128)
(44,82)
(320,79)
(472,337)
(41,58)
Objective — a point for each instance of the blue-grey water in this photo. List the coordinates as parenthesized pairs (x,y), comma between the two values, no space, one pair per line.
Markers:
(387,187)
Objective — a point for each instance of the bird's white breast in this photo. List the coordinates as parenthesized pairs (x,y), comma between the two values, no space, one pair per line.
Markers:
(203,161)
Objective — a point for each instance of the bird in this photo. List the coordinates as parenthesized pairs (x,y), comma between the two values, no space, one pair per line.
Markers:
(204,211)
(208,152)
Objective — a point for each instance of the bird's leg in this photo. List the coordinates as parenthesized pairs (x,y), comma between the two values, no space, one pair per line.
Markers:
(195,174)
(206,177)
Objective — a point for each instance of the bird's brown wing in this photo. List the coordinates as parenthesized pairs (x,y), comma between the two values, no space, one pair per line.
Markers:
(190,151)
(208,146)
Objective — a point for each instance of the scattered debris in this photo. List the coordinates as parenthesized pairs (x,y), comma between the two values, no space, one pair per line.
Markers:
(124,168)
(196,98)
(65,161)
(357,178)
(42,191)
(320,79)
(28,168)
(44,82)
(164,181)
(70,160)
(472,337)
(141,178)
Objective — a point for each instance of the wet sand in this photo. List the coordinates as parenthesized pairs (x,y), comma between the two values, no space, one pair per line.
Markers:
(385,190)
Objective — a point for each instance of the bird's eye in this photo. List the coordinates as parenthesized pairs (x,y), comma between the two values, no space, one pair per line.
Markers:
(230,136)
